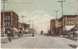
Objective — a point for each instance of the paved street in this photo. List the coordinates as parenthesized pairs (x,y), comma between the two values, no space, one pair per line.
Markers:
(39,41)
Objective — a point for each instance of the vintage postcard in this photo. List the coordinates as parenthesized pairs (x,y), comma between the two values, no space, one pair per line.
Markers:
(39,24)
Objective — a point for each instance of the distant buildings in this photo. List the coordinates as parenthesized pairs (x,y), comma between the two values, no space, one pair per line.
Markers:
(23,26)
(9,19)
(56,26)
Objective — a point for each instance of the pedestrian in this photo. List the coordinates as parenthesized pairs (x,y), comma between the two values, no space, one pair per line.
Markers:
(33,34)
(20,33)
(41,32)
(9,35)
(74,36)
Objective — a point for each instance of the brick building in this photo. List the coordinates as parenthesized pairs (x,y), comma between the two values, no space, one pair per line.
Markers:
(9,19)
(69,20)
(56,26)
(52,26)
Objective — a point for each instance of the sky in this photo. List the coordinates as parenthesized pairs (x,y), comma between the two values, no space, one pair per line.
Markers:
(39,12)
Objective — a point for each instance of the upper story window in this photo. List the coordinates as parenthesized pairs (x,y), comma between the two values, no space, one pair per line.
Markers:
(7,18)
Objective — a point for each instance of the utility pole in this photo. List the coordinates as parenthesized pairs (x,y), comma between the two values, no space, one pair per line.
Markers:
(22,23)
(56,14)
(3,10)
(62,3)
(56,18)
(56,22)
(32,23)
(3,5)
(22,18)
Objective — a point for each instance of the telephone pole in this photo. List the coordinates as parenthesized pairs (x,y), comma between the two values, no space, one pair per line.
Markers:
(3,5)
(22,22)
(63,23)
(22,19)
(56,14)
(3,10)
(56,18)
(56,22)
(62,3)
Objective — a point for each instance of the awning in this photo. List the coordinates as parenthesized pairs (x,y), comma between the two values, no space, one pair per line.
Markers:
(15,29)
(69,27)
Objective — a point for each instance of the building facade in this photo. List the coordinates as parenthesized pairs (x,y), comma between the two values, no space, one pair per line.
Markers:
(23,26)
(69,20)
(9,19)
(57,26)
(52,26)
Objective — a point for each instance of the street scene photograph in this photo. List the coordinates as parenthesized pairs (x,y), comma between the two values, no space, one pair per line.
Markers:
(43,24)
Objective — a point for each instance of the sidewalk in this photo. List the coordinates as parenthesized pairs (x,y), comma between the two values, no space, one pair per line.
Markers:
(4,40)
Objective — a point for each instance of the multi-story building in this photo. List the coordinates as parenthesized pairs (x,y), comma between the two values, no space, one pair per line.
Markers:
(9,19)
(54,25)
(57,26)
(69,20)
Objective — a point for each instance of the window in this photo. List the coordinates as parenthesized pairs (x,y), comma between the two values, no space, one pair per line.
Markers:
(7,18)
(7,24)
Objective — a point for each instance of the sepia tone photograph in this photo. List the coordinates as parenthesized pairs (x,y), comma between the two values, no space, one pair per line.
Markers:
(39,24)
